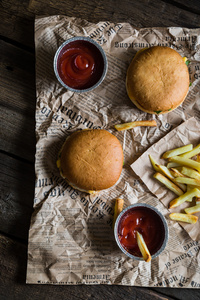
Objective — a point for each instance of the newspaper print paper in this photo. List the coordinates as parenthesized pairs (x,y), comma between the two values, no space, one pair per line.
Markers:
(71,239)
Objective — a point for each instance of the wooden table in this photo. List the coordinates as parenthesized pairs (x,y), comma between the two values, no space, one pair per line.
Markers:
(18,137)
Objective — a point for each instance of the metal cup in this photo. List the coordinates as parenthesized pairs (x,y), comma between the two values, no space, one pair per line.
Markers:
(165,226)
(98,48)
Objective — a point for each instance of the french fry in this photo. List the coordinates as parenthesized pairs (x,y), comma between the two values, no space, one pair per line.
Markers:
(172,165)
(154,163)
(170,185)
(198,158)
(189,199)
(187,180)
(177,151)
(186,162)
(183,218)
(143,247)
(176,173)
(181,199)
(190,187)
(193,152)
(193,210)
(118,208)
(190,173)
(131,125)
(167,173)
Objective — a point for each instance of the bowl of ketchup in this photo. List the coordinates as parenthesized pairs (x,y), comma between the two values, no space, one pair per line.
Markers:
(80,64)
(148,221)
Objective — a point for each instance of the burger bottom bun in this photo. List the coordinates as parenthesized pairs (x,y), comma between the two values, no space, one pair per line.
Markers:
(91,160)
(157,111)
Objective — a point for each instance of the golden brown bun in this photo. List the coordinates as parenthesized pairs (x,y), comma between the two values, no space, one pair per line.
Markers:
(157,80)
(91,160)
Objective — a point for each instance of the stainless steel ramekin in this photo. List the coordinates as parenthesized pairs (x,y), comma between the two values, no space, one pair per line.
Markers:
(98,47)
(162,218)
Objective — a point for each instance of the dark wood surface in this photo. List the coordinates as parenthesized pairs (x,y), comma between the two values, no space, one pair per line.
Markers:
(17,86)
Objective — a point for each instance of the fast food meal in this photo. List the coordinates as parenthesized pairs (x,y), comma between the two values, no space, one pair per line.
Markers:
(157,80)
(133,124)
(183,179)
(91,160)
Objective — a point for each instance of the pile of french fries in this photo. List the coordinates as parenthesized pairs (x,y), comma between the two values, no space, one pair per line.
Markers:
(182,176)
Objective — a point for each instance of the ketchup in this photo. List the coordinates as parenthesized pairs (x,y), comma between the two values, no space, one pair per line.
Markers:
(145,221)
(80,64)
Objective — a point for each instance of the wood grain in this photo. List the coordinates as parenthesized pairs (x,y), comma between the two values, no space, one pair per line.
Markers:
(189,5)
(18,138)
(17,30)
(16,21)
(138,13)
(17,194)
(17,84)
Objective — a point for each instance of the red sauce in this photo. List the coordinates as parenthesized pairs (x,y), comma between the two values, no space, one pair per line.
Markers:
(80,64)
(145,221)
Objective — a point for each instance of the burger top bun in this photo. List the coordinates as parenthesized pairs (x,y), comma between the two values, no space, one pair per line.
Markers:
(157,80)
(91,160)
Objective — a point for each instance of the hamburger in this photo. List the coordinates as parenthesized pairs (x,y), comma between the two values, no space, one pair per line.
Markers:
(157,80)
(91,160)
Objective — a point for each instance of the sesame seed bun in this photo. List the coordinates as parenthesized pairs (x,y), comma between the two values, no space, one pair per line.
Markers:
(157,80)
(91,160)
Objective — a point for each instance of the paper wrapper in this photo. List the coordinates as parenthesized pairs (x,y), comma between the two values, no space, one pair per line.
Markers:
(71,239)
